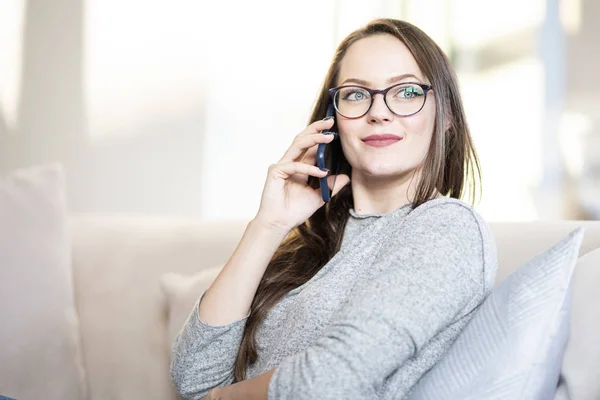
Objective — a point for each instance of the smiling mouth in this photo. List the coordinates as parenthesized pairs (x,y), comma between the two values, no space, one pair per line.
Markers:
(382,142)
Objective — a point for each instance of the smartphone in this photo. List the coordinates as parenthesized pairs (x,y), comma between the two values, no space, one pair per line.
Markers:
(321,162)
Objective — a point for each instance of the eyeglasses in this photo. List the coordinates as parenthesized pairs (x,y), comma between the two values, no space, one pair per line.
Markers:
(403,99)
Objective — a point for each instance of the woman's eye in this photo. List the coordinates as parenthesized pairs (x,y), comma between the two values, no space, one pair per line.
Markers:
(409,92)
(355,95)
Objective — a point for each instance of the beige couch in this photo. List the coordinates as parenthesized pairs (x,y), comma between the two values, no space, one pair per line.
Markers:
(118,262)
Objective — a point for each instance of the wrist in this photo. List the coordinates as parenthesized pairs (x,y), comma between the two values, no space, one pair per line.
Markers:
(268,226)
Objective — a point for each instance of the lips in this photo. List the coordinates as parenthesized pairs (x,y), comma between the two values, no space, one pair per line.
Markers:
(381,140)
(385,136)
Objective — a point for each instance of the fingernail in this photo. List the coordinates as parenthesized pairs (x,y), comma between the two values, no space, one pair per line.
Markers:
(328,118)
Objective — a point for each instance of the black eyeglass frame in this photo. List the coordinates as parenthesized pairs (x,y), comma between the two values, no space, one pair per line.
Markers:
(426,88)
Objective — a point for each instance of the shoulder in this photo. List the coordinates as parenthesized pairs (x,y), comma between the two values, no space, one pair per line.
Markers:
(446,215)
(451,226)
(442,242)
(444,206)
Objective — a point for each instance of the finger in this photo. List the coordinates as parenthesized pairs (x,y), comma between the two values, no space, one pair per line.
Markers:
(302,144)
(315,127)
(310,155)
(310,158)
(286,170)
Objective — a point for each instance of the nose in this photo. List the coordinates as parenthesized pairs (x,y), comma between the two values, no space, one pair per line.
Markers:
(379,111)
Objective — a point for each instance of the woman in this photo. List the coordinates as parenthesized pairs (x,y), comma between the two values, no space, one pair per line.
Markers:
(357,298)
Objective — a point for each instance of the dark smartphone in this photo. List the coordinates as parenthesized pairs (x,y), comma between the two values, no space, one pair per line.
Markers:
(333,165)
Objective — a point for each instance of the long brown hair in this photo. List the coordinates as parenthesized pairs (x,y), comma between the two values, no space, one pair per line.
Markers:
(450,161)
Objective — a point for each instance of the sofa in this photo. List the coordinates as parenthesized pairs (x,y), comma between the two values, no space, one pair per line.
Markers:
(119,263)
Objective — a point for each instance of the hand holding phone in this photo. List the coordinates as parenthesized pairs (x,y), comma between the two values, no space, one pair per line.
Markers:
(287,199)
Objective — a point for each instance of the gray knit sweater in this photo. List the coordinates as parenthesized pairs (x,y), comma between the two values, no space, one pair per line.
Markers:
(370,323)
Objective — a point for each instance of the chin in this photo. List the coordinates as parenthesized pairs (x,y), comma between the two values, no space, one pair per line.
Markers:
(387,172)
(391,172)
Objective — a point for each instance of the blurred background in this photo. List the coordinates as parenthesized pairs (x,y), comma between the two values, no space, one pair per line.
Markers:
(177,108)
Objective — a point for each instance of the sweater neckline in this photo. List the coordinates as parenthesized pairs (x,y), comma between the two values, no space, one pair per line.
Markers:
(400,210)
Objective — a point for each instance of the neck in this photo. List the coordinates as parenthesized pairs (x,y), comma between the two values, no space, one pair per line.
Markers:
(380,195)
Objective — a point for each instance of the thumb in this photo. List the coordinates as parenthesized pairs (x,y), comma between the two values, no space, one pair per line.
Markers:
(337,182)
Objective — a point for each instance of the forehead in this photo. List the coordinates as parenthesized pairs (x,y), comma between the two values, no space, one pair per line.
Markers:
(377,58)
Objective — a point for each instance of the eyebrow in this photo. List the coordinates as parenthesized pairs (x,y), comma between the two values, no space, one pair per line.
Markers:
(394,79)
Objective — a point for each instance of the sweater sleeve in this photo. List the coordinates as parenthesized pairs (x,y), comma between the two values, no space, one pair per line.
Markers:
(429,275)
(203,355)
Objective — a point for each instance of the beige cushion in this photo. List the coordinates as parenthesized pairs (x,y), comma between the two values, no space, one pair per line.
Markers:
(39,337)
(181,293)
(581,365)
(519,242)
(118,263)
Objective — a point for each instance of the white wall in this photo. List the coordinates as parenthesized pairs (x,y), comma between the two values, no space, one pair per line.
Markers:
(170,108)
(135,98)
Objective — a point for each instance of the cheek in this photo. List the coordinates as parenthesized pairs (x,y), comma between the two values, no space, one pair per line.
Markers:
(349,131)
(421,125)
(347,127)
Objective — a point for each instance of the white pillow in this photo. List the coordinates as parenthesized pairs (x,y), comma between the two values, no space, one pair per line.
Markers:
(513,347)
(182,292)
(39,335)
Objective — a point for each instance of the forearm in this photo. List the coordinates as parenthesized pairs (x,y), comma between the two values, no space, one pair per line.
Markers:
(251,389)
(229,297)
